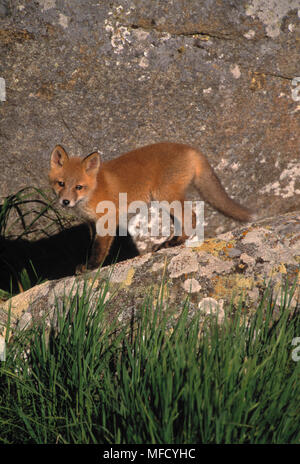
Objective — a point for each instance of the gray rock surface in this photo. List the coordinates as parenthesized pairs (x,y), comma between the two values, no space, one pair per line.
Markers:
(209,275)
(116,75)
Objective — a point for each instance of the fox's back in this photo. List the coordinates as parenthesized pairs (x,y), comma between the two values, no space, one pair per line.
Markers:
(150,167)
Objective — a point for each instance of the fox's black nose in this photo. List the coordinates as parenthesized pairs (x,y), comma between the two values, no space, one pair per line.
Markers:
(66,202)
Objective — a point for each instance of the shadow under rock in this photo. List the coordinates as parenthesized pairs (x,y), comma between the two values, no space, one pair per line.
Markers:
(54,257)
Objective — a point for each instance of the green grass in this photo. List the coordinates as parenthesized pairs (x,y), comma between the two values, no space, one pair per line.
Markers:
(155,380)
(152,381)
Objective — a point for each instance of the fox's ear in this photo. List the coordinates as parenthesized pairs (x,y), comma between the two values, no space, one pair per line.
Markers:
(58,157)
(91,163)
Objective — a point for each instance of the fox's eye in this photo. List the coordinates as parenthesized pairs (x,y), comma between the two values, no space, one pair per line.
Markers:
(78,187)
(60,183)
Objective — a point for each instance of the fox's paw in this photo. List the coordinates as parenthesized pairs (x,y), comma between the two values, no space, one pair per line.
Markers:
(80,269)
(172,242)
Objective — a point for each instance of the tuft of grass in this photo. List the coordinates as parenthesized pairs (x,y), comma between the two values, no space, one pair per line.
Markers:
(24,280)
(155,380)
(30,212)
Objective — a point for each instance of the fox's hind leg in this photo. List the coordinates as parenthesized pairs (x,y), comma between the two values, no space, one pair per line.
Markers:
(177,217)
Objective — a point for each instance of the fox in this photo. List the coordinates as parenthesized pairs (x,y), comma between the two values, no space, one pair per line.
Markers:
(161,171)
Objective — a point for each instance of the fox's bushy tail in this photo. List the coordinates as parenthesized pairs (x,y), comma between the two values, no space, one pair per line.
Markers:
(212,191)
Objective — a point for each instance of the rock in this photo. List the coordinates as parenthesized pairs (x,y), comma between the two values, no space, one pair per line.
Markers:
(207,275)
(3,9)
(210,306)
(221,76)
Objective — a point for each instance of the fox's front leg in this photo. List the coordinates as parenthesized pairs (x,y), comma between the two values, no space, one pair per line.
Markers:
(100,250)
(103,238)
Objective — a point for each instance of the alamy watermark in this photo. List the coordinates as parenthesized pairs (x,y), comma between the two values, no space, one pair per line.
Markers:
(296,90)
(188,218)
(296,351)
(2,349)
(2,90)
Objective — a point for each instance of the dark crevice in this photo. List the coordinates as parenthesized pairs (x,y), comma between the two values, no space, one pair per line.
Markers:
(210,35)
(180,34)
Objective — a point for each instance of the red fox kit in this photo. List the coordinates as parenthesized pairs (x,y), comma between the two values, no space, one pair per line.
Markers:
(162,171)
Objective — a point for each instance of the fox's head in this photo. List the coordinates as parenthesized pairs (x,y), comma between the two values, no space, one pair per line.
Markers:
(73,179)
